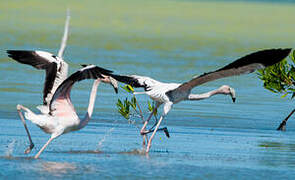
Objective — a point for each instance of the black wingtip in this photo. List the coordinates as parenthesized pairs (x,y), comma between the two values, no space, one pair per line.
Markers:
(273,56)
(15,54)
(265,57)
(10,51)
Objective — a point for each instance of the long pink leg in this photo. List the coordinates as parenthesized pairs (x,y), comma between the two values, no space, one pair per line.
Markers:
(167,107)
(143,129)
(42,149)
(19,108)
(144,140)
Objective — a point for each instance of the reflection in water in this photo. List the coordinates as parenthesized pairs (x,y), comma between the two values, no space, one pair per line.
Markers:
(9,150)
(83,152)
(58,168)
(277,154)
(278,146)
(135,152)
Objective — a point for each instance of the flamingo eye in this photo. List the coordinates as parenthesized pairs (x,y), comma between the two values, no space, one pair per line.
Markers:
(54,56)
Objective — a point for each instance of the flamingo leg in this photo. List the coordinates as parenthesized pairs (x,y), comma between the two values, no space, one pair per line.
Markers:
(144,140)
(167,107)
(19,108)
(143,131)
(42,149)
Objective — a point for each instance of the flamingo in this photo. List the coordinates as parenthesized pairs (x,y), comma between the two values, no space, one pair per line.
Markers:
(62,117)
(172,93)
(56,72)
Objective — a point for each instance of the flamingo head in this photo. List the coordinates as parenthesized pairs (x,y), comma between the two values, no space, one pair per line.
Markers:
(225,89)
(110,80)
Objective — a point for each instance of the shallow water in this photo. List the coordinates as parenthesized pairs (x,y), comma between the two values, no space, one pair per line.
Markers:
(167,40)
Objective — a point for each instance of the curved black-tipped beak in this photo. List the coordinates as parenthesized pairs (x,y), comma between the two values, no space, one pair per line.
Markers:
(233,94)
(116,90)
(234,100)
(114,83)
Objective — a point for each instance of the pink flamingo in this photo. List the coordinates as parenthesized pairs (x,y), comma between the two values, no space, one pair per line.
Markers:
(62,117)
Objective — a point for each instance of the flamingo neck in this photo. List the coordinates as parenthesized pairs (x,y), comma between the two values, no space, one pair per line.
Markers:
(204,95)
(88,115)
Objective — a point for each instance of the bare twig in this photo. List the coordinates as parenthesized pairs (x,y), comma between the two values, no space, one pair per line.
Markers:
(140,112)
(282,126)
(65,36)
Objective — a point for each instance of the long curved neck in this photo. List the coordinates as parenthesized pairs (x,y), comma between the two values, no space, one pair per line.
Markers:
(88,115)
(204,95)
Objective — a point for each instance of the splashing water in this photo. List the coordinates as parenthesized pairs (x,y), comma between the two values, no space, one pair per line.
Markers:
(107,134)
(10,147)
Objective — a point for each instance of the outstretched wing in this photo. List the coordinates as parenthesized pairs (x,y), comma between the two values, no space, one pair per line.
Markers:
(62,93)
(246,64)
(132,80)
(56,68)
(136,81)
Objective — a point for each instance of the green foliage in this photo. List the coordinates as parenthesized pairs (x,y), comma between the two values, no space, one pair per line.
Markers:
(280,78)
(125,106)
(151,107)
(128,88)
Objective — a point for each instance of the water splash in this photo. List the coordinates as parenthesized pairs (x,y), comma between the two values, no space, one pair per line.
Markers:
(9,149)
(107,134)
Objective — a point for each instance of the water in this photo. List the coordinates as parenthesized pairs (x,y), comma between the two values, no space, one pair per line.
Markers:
(167,40)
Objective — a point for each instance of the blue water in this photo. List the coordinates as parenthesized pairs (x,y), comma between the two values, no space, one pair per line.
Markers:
(210,139)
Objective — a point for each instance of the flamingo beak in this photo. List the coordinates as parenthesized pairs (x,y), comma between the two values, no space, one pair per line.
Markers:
(114,83)
(233,94)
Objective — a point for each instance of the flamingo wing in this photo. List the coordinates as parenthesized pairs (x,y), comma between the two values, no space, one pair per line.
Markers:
(61,96)
(56,68)
(132,80)
(136,81)
(244,65)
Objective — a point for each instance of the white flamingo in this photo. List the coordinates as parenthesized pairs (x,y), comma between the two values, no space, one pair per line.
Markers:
(172,93)
(62,117)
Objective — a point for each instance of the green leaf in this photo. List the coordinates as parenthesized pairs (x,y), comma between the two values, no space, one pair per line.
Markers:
(123,108)
(150,108)
(133,102)
(293,56)
(128,88)
(284,95)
